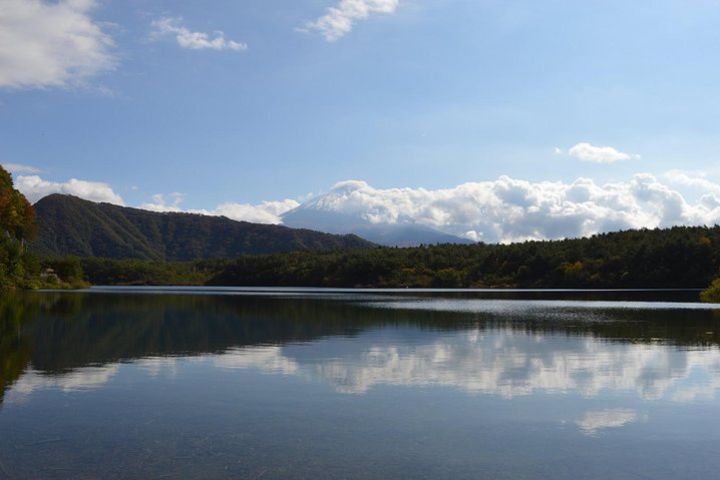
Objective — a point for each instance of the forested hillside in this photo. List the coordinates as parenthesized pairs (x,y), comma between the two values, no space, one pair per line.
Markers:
(72,226)
(681,257)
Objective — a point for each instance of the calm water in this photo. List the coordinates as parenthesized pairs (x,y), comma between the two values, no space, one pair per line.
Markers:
(306,384)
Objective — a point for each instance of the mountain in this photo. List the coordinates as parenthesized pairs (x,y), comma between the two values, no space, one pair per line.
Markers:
(312,215)
(71,226)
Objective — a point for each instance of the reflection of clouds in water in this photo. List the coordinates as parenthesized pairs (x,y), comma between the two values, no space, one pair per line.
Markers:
(545,308)
(156,366)
(501,362)
(708,382)
(497,362)
(268,359)
(80,379)
(88,378)
(594,421)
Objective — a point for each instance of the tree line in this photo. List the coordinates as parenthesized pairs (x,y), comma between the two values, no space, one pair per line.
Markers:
(680,257)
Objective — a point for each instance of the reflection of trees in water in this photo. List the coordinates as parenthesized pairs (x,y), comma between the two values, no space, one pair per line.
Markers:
(15,350)
(60,332)
(674,327)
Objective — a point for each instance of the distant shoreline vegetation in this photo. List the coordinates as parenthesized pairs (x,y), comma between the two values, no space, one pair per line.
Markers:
(679,257)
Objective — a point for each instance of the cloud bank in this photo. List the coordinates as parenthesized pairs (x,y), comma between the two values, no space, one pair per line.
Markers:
(51,44)
(502,210)
(339,20)
(508,209)
(194,40)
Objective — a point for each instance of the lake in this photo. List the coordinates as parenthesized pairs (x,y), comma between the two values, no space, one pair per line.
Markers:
(336,384)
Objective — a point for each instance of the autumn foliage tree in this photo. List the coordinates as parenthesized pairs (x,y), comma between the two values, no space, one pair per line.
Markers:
(17,225)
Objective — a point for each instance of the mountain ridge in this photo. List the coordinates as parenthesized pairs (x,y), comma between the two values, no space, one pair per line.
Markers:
(69,225)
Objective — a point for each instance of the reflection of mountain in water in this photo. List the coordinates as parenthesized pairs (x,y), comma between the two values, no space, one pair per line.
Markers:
(76,340)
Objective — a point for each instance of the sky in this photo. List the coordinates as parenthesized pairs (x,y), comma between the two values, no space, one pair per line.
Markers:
(475,117)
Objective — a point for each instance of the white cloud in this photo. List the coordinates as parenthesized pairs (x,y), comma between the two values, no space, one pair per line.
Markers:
(590,153)
(264,212)
(194,40)
(20,168)
(35,188)
(340,19)
(692,179)
(51,44)
(508,209)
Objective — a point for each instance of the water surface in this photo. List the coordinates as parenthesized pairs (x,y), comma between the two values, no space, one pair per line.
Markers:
(264,383)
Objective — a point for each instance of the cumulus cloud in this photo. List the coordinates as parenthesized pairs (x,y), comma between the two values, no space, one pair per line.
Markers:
(587,152)
(35,188)
(340,19)
(194,40)
(51,44)
(20,168)
(264,212)
(507,209)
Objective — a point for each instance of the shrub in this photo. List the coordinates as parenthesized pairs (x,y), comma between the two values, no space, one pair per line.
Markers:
(712,293)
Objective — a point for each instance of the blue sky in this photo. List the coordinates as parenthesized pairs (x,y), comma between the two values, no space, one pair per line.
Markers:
(417,93)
